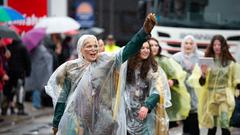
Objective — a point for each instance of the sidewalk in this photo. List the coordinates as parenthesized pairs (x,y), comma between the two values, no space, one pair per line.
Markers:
(9,120)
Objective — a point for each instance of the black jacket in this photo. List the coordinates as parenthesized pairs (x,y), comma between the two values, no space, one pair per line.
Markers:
(19,64)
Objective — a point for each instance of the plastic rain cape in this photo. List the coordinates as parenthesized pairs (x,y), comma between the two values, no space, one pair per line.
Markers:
(157,120)
(92,99)
(180,96)
(96,104)
(218,89)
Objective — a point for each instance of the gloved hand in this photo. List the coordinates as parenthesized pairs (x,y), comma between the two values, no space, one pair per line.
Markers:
(149,23)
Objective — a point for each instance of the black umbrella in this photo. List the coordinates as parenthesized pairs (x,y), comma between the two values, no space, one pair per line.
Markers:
(6,32)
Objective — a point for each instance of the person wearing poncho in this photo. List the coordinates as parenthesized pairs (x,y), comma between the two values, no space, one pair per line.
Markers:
(218,83)
(180,98)
(85,91)
(188,57)
(146,94)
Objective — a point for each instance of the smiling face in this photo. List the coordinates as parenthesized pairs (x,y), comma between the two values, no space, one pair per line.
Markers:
(90,49)
(154,47)
(144,51)
(217,47)
(188,46)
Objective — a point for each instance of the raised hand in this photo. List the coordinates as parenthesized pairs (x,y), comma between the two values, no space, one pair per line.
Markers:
(54,131)
(149,22)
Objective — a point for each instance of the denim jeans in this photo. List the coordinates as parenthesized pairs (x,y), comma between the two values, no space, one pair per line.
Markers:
(36,99)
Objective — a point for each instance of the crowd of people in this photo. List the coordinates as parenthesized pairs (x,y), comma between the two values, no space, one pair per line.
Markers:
(129,90)
(137,90)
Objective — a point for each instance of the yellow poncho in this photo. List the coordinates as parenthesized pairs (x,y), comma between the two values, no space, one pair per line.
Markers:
(216,96)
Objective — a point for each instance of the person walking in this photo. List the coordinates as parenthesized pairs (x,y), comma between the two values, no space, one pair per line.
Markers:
(146,82)
(188,57)
(84,91)
(218,83)
(176,76)
(19,67)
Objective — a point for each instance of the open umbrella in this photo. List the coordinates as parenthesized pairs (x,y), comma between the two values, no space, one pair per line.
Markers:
(58,24)
(6,32)
(9,14)
(33,38)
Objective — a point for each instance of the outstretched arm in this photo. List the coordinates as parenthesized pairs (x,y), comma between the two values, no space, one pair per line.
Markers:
(135,44)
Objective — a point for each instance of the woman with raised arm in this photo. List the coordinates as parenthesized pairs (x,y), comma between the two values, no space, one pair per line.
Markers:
(84,91)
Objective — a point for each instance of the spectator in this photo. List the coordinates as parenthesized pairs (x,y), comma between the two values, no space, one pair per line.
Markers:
(111,44)
(101,46)
(19,67)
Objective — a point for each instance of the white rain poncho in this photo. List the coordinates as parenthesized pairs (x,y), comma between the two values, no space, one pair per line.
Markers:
(156,122)
(188,61)
(91,100)
(94,102)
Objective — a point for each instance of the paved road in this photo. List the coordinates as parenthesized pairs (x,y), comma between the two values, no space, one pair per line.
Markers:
(178,131)
(38,122)
(36,126)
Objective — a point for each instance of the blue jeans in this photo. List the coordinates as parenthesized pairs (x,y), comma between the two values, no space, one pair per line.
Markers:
(36,99)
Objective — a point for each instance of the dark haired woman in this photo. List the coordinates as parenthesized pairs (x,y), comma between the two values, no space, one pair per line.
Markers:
(176,76)
(216,102)
(146,83)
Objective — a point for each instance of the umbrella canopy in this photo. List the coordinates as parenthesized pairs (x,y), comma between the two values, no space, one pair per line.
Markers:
(58,24)
(97,31)
(9,14)
(33,38)
(6,32)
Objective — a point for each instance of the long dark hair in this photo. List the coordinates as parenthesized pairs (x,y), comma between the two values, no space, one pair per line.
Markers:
(225,55)
(159,49)
(146,64)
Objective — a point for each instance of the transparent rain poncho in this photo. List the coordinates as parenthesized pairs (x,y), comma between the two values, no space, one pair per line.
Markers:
(180,97)
(90,110)
(91,100)
(156,122)
(216,96)
(188,61)
(93,93)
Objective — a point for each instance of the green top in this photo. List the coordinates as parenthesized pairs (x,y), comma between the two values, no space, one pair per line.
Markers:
(151,102)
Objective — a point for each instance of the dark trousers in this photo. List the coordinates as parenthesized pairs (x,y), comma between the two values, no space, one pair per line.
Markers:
(173,124)
(212,131)
(190,125)
(12,87)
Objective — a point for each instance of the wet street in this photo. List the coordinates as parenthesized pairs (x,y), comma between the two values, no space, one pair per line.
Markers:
(39,122)
(36,126)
